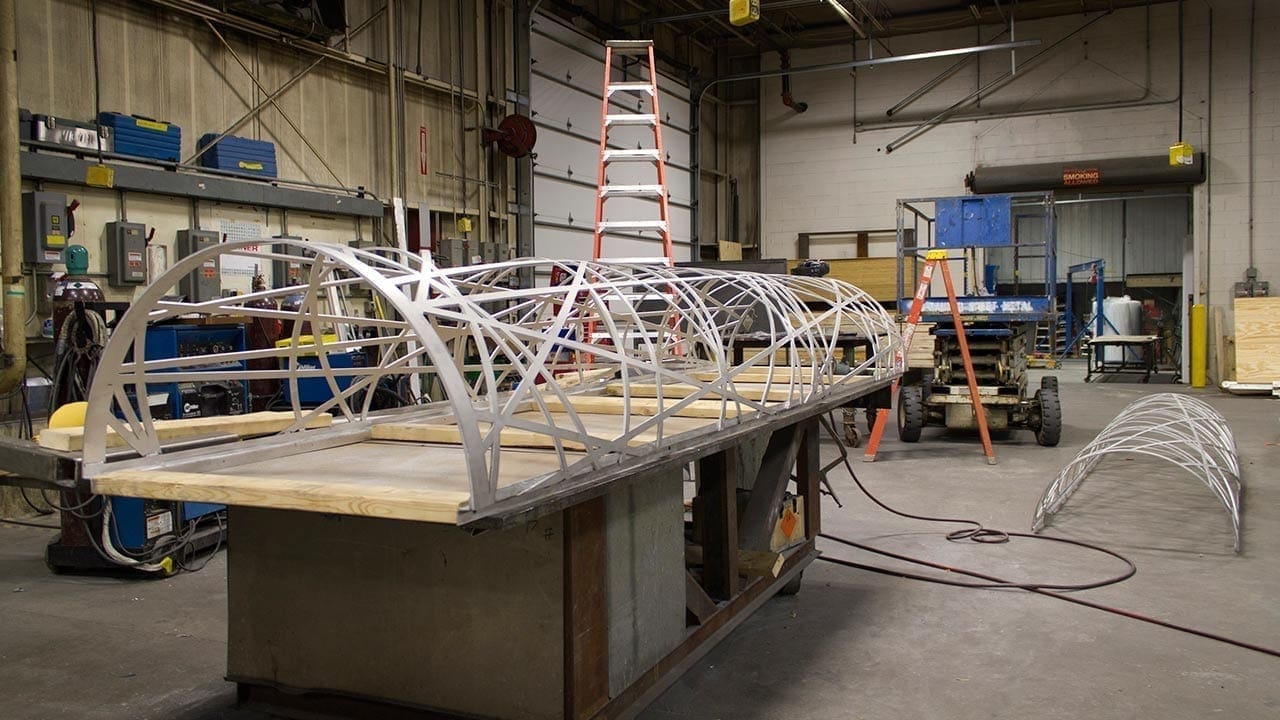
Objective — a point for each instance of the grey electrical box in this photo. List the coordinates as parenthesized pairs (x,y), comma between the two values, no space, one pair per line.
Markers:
(205,282)
(286,272)
(44,227)
(126,253)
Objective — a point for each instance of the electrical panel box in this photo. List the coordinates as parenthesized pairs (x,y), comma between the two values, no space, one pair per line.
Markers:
(286,272)
(44,226)
(205,282)
(126,253)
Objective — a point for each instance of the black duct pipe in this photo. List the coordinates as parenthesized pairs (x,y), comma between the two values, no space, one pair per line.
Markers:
(784,63)
(1085,175)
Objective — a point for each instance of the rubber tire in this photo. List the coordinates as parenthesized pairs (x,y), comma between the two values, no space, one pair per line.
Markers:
(1049,382)
(910,413)
(793,586)
(1050,430)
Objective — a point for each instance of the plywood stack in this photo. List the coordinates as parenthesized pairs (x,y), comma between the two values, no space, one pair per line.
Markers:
(878,277)
(1257,339)
(920,354)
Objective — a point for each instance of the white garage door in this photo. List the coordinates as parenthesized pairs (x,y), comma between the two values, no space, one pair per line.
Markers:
(568,74)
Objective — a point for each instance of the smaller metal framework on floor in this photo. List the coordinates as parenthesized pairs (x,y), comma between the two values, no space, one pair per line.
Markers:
(1177,428)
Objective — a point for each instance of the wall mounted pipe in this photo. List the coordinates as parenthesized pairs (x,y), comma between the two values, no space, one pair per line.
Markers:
(784,60)
(700,94)
(13,364)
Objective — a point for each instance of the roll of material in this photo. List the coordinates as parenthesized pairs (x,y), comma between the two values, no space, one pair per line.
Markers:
(1121,316)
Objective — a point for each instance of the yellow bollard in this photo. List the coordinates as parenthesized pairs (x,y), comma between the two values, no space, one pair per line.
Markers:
(1199,337)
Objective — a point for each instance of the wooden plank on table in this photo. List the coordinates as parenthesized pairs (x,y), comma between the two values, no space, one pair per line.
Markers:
(605,427)
(437,506)
(757,375)
(259,423)
(613,405)
(567,380)
(451,435)
(1257,335)
(753,391)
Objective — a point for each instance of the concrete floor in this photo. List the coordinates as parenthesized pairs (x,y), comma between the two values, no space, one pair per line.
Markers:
(852,644)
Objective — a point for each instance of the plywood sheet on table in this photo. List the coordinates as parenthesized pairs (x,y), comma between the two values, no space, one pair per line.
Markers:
(404,481)
(1257,327)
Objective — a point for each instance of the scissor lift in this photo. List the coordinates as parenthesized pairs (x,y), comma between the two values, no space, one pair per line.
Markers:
(981,233)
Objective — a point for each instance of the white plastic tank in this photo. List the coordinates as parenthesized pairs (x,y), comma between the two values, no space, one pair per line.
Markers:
(1122,316)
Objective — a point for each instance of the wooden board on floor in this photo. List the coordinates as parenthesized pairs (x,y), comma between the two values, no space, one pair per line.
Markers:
(1257,326)
(259,423)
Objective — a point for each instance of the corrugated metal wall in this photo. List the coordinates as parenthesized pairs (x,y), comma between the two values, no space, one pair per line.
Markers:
(1134,236)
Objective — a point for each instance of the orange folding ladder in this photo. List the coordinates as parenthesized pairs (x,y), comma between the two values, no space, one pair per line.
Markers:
(933,259)
(653,155)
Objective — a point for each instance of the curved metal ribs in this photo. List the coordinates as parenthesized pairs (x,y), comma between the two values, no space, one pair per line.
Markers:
(1177,428)
(493,357)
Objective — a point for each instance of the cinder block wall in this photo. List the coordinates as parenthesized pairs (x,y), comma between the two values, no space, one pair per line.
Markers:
(822,173)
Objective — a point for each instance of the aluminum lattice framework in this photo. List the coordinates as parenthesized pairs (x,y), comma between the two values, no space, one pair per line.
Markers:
(1176,428)
(489,356)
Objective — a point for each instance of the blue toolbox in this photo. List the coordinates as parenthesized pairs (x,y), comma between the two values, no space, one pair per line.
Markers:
(239,155)
(144,137)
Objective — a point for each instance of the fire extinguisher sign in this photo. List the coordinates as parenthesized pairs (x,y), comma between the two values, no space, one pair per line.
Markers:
(424,162)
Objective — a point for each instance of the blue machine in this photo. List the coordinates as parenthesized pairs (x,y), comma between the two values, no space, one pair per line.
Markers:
(186,399)
(137,523)
(1014,231)
(984,234)
(315,391)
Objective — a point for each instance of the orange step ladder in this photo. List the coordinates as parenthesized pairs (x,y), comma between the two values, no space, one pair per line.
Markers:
(648,155)
(933,259)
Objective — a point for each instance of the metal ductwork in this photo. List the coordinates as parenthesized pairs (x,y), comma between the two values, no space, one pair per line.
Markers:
(1086,175)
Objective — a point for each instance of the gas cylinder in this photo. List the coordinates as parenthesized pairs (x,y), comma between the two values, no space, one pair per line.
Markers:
(73,287)
(262,334)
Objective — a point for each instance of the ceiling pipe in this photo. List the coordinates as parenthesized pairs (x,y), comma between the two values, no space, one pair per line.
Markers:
(13,364)
(700,94)
(784,60)
(987,89)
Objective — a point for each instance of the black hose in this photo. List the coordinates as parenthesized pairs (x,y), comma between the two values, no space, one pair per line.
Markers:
(977,533)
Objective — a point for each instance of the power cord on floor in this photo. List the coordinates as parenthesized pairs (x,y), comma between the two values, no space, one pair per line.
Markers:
(977,533)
